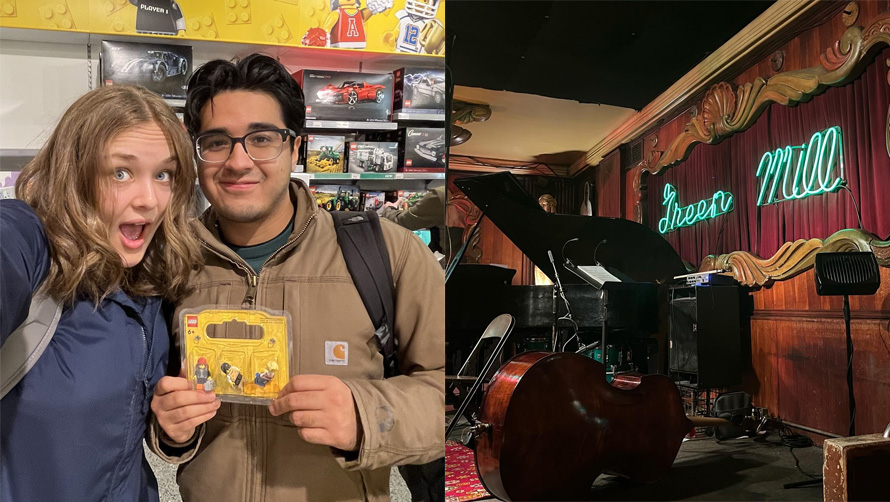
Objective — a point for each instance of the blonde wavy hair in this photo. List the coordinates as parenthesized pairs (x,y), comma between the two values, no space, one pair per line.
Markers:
(63,186)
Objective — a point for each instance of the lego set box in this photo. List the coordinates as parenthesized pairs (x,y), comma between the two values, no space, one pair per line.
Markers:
(373,157)
(419,90)
(346,96)
(325,154)
(162,69)
(372,201)
(423,149)
(337,197)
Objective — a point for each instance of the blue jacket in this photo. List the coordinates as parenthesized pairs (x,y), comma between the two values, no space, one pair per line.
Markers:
(72,429)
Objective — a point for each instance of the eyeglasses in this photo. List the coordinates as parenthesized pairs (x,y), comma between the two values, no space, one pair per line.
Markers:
(266,144)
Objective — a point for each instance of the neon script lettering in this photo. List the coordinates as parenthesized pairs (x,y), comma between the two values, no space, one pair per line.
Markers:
(676,216)
(801,171)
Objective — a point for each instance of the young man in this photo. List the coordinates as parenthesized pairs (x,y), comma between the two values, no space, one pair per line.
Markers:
(337,426)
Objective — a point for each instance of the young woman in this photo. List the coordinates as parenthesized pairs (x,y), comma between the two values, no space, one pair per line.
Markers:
(102,227)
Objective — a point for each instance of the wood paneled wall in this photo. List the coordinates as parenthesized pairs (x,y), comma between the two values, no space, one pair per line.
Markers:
(798,361)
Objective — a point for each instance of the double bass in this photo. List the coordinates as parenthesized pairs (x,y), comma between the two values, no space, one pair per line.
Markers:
(550,424)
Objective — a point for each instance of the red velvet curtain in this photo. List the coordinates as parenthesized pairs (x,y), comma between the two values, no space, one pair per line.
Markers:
(860,108)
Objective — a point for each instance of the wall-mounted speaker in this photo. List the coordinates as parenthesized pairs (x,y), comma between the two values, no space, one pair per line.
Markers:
(849,273)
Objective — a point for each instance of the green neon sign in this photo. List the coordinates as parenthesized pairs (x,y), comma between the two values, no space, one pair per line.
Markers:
(801,171)
(676,216)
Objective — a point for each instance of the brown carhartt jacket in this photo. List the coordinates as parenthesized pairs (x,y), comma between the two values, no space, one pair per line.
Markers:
(246,454)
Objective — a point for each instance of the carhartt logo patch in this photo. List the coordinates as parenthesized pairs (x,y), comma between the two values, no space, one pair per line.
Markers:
(336,353)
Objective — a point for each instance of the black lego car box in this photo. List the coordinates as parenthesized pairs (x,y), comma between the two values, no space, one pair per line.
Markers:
(325,153)
(419,91)
(373,157)
(423,149)
(346,96)
(161,68)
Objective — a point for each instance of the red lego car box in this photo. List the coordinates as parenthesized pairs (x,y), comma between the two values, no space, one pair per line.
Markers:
(346,96)
(324,153)
(419,91)
(423,149)
(373,157)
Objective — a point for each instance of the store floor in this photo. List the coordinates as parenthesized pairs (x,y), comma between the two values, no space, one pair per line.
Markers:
(169,491)
(732,470)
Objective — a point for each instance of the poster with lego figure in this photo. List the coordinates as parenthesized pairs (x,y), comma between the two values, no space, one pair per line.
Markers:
(158,17)
(393,26)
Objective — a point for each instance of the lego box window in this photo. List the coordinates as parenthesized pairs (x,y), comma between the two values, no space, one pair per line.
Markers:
(161,68)
(244,356)
(373,157)
(325,154)
(424,149)
(347,96)
(419,90)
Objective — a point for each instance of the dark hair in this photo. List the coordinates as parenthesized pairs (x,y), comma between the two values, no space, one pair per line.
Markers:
(257,72)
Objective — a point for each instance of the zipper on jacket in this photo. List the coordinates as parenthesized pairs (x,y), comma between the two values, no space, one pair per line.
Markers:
(290,241)
(253,278)
(250,297)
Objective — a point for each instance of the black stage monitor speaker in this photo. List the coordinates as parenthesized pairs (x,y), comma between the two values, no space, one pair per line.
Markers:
(847,274)
(705,335)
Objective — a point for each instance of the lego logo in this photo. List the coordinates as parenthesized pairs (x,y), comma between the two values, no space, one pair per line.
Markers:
(407,102)
(408,162)
(308,109)
(353,146)
(191,321)
(311,138)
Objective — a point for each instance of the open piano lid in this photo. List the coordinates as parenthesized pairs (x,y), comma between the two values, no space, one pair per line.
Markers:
(630,248)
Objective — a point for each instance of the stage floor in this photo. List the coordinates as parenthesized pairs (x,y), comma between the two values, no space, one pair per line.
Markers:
(733,470)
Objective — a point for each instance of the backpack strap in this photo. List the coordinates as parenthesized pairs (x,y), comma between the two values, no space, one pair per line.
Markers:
(25,345)
(361,242)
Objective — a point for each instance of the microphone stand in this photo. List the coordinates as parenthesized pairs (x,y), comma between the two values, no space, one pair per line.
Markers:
(558,288)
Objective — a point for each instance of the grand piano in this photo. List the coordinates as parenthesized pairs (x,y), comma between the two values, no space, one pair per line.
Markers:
(622,314)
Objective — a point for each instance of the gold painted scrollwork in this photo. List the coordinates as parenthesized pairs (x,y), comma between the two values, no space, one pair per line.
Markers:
(463,112)
(795,257)
(726,111)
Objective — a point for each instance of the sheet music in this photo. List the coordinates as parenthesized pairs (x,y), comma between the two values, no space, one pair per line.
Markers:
(596,275)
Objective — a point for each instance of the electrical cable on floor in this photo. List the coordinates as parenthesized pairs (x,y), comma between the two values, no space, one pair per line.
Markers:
(792,441)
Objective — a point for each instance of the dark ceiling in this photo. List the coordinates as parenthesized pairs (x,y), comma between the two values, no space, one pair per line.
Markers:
(621,53)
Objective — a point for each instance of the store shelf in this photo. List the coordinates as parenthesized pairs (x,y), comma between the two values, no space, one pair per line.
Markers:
(349,125)
(18,153)
(293,57)
(419,117)
(368,176)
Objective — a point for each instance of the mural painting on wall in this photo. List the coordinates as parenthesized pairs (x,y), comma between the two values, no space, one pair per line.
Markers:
(406,26)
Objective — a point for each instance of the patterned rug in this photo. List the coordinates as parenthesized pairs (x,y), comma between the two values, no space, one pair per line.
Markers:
(461,482)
